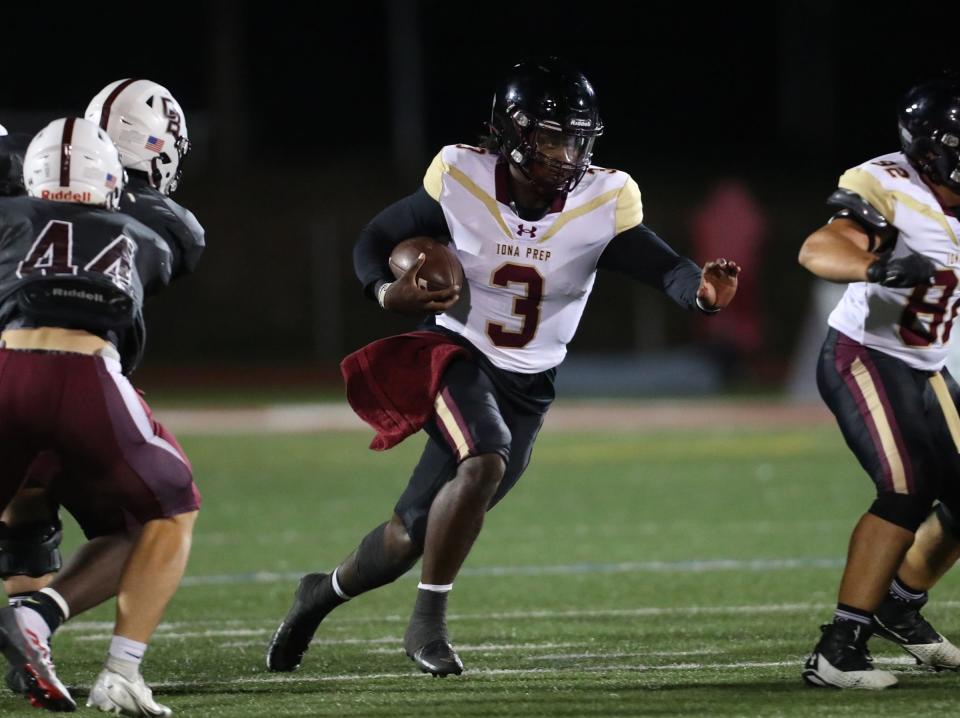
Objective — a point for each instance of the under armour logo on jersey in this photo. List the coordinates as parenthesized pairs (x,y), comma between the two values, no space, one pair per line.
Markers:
(522,231)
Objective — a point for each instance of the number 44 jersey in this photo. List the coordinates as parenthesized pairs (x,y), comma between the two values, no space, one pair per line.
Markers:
(72,265)
(527,281)
(911,324)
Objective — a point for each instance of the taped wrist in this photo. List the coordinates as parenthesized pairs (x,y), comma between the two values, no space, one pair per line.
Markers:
(382,293)
(877,271)
(706,309)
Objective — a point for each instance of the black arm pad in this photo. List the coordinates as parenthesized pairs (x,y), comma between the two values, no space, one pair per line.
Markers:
(419,214)
(639,253)
(854,207)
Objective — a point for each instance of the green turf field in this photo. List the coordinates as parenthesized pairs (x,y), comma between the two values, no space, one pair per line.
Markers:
(627,575)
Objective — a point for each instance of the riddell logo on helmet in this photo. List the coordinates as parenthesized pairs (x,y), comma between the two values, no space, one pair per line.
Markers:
(66,195)
(580,122)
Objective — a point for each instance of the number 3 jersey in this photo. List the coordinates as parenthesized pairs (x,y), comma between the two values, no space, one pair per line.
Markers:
(80,267)
(527,281)
(911,324)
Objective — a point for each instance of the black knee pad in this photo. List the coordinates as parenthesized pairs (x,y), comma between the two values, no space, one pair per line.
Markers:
(948,519)
(904,510)
(31,549)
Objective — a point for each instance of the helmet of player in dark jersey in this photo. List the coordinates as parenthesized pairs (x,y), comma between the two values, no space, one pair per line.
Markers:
(930,130)
(545,121)
(147,125)
(72,160)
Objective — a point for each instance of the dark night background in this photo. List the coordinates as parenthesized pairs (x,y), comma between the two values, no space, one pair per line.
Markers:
(308,118)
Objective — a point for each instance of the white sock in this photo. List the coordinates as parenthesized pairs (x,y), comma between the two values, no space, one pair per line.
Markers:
(127,669)
(127,650)
(436,587)
(31,621)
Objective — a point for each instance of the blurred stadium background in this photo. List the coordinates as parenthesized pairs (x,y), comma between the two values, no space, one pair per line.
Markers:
(735,120)
(682,527)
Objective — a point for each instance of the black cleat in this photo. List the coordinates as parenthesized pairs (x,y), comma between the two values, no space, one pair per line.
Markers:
(841,660)
(30,657)
(292,638)
(437,658)
(900,622)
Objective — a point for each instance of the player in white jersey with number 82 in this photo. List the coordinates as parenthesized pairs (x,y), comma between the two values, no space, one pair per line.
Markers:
(895,239)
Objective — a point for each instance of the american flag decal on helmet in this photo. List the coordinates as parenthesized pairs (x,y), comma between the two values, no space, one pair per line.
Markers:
(154,143)
(111,181)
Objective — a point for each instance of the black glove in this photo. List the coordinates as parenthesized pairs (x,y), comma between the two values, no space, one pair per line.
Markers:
(909,271)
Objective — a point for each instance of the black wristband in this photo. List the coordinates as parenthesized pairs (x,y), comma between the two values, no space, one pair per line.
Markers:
(876,271)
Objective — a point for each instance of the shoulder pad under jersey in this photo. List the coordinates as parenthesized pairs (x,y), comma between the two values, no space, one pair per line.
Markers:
(854,207)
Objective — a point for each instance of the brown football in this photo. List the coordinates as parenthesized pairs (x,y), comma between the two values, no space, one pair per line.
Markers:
(440,270)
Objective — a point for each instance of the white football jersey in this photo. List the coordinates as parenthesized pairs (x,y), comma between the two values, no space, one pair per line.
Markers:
(913,324)
(527,282)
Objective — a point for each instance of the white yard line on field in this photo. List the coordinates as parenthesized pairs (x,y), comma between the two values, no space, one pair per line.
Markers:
(164,632)
(484,647)
(81,626)
(101,629)
(215,633)
(687,566)
(488,672)
(622,654)
(615,416)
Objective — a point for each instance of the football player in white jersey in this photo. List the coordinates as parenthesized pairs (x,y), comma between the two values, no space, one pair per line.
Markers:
(895,239)
(531,221)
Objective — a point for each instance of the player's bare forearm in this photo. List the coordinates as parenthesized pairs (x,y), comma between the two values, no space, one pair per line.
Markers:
(837,252)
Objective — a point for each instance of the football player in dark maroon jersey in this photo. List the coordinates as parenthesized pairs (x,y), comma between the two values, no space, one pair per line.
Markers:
(73,276)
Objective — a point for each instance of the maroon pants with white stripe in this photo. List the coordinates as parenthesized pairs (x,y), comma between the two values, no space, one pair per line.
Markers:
(901,423)
(119,464)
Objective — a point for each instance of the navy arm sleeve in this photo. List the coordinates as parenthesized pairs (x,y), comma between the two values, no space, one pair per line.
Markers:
(639,253)
(417,215)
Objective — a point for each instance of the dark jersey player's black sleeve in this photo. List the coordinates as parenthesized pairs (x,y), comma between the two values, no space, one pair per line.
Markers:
(155,268)
(177,225)
(185,236)
(419,214)
(12,149)
(639,253)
